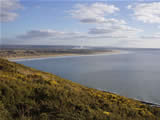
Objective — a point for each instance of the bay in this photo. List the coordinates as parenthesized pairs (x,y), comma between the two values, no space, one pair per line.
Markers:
(135,74)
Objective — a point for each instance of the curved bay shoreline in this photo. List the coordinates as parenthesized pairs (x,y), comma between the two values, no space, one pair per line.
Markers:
(42,57)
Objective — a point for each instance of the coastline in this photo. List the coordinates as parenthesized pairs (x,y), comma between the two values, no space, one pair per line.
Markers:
(81,96)
(142,101)
(78,55)
(24,58)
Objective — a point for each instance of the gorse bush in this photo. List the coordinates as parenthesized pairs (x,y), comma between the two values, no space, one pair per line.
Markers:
(29,94)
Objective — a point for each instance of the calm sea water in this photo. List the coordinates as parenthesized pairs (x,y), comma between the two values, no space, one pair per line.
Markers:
(135,74)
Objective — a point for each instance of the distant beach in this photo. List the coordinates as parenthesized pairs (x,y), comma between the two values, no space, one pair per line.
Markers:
(63,55)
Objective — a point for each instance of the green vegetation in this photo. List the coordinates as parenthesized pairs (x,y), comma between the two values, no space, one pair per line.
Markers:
(29,94)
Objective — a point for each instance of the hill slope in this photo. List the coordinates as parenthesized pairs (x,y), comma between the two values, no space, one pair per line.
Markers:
(29,94)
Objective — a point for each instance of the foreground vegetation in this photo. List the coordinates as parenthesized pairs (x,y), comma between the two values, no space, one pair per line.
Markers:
(29,94)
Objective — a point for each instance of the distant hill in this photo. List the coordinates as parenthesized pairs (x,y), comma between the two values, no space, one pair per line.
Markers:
(29,94)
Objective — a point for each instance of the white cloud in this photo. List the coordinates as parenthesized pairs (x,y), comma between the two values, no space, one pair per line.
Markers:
(8,8)
(115,30)
(101,15)
(106,29)
(153,36)
(129,6)
(49,36)
(60,35)
(94,13)
(54,37)
(41,34)
(147,12)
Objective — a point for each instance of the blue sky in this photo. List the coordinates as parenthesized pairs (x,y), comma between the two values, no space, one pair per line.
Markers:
(119,23)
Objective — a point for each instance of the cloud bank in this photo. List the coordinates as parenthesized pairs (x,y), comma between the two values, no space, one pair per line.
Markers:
(101,15)
(93,13)
(104,27)
(8,8)
(146,12)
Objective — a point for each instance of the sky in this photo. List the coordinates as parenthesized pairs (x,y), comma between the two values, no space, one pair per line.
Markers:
(113,23)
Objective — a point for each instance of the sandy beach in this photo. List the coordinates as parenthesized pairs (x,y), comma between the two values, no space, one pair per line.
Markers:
(23,58)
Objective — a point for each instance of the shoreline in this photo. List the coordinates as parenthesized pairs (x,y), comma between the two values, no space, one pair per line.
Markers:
(142,101)
(79,55)
(24,58)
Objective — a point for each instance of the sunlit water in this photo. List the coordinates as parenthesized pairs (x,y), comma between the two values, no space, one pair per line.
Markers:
(135,74)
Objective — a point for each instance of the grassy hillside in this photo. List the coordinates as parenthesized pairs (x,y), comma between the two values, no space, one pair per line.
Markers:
(29,94)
